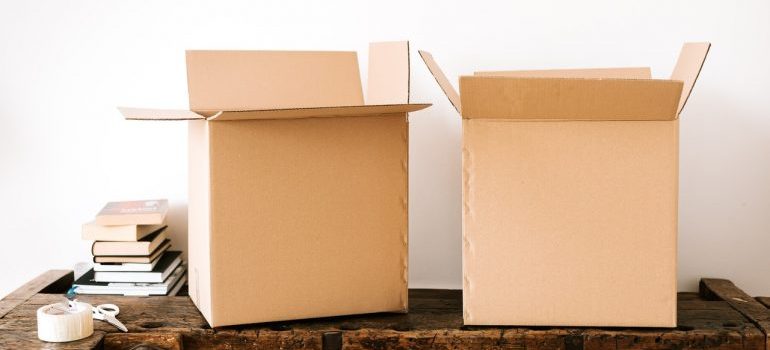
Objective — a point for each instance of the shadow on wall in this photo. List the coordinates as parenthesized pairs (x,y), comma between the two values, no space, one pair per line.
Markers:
(177,227)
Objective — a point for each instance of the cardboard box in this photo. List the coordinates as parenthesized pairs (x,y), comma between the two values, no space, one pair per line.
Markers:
(570,185)
(298,190)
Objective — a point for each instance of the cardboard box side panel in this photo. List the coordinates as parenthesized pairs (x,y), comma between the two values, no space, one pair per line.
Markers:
(245,80)
(592,73)
(309,218)
(569,99)
(580,216)
(388,77)
(442,80)
(688,67)
(199,224)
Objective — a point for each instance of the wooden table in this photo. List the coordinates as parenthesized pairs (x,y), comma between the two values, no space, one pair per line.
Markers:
(721,316)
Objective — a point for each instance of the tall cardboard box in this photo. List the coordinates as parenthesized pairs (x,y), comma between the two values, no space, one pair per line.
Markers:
(297,189)
(570,185)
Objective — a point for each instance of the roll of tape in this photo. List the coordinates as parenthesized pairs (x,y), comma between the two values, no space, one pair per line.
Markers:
(58,323)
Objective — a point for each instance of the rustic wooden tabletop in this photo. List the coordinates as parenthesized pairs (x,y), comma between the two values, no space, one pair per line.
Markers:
(721,316)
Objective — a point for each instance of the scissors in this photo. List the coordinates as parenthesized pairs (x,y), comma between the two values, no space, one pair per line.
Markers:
(107,312)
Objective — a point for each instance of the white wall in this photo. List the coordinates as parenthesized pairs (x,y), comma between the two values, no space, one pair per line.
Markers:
(64,149)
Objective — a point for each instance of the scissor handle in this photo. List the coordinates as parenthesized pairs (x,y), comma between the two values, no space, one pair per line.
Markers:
(108,309)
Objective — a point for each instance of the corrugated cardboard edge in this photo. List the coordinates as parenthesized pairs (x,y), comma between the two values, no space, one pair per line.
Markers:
(688,67)
(130,113)
(199,218)
(586,73)
(467,172)
(319,112)
(441,79)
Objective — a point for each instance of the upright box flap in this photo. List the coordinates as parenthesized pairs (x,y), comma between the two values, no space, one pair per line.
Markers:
(297,113)
(569,99)
(688,68)
(158,114)
(442,80)
(246,80)
(388,78)
(591,73)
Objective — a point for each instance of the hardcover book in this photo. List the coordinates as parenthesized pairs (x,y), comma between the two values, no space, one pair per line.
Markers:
(145,246)
(119,233)
(168,262)
(145,212)
(145,259)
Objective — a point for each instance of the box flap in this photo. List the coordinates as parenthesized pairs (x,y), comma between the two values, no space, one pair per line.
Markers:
(688,68)
(158,114)
(339,111)
(245,80)
(596,73)
(569,99)
(388,78)
(442,80)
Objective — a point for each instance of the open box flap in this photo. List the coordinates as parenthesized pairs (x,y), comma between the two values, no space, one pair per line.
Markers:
(388,77)
(158,114)
(315,112)
(569,99)
(588,73)
(688,67)
(246,80)
(442,80)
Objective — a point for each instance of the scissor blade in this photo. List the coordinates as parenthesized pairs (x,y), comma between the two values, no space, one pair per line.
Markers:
(114,321)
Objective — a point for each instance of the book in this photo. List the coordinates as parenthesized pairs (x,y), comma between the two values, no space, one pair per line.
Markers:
(123,233)
(135,259)
(168,262)
(113,267)
(86,285)
(145,212)
(178,286)
(144,246)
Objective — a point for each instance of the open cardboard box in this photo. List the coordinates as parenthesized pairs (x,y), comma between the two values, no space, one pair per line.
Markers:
(297,189)
(570,187)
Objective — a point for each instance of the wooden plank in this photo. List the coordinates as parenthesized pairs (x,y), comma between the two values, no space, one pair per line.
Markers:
(27,339)
(36,285)
(129,341)
(758,314)
(434,321)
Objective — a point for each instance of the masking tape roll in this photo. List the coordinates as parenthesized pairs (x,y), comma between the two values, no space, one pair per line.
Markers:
(56,323)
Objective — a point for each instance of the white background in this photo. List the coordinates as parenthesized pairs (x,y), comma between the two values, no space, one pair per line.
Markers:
(65,151)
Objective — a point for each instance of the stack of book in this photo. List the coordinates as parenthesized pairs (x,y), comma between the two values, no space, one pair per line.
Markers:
(131,251)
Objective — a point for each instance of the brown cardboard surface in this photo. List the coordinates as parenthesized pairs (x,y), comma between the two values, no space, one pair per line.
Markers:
(570,191)
(570,223)
(388,77)
(595,73)
(247,80)
(442,80)
(569,99)
(688,67)
(319,112)
(308,218)
(298,191)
